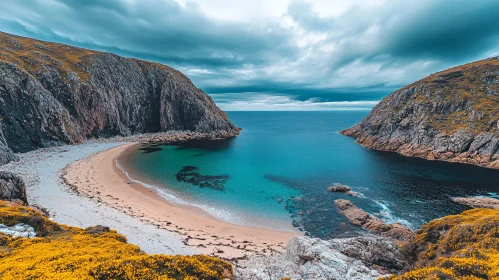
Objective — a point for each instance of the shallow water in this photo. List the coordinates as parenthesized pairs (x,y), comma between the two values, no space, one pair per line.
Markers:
(278,170)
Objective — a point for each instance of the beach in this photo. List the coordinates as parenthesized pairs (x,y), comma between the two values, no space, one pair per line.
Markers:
(41,169)
(98,178)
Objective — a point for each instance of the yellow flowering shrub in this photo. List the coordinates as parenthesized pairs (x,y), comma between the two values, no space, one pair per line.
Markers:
(95,253)
(464,246)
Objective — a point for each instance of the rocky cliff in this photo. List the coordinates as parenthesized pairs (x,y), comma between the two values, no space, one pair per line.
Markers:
(451,115)
(52,93)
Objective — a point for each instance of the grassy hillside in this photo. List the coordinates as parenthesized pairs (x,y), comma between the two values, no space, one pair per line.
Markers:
(63,252)
(464,246)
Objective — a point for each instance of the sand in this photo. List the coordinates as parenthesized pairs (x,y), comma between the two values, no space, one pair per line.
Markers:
(41,170)
(99,179)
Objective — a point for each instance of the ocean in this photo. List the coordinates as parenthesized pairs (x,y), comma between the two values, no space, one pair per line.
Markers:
(276,175)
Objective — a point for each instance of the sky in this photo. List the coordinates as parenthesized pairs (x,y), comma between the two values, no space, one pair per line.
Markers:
(275,55)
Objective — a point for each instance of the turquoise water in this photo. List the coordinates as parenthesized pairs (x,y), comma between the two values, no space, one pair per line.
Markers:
(276,173)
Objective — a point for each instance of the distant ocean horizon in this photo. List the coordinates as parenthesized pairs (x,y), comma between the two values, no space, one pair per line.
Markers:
(276,175)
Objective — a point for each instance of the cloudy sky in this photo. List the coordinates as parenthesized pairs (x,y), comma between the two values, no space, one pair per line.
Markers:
(275,55)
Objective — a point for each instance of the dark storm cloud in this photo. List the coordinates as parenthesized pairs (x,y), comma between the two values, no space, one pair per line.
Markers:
(361,54)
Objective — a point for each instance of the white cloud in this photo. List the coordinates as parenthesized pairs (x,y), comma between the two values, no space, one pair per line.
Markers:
(268,102)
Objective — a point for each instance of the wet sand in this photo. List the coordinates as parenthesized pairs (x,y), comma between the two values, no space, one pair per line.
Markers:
(98,178)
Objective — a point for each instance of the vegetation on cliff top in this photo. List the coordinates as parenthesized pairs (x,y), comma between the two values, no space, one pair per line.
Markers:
(464,246)
(472,89)
(31,55)
(63,252)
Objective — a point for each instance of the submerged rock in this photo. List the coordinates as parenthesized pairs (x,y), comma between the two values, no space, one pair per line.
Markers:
(363,257)
(189,174)
(367,221)
(477,202)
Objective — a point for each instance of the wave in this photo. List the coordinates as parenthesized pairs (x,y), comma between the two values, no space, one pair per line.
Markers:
(387,215)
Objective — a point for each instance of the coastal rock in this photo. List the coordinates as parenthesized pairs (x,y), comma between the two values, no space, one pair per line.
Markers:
(451,115)
(19,230)
(58,94)
(339,188)
(6,154)
(367,221)
(363,257)
(12,187)
(478,202)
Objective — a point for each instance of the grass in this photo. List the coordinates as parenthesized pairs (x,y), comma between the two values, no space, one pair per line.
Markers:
(63,252)
(460,85)
(464,246)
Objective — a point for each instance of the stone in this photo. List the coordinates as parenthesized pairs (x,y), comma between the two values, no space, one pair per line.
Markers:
(363,257)
(12,187)
(477,202)
(367,221)
(339,188)
(18,230)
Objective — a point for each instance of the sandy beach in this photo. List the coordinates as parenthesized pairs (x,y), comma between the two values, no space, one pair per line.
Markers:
(98,178)
(41,170)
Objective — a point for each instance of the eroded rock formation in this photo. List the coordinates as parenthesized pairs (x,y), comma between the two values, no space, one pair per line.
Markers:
(363,257)
(367,221)
(12,187)
(452,115)
(54,94)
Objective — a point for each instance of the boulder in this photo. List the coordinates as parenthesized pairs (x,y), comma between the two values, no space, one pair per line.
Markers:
(363,257)
(12,187)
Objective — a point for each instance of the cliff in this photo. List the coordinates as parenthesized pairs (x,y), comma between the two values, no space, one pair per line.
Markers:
(451,115)
(54,94)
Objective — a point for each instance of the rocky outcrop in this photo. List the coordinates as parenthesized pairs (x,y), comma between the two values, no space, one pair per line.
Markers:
(478,202)
(54,94)
(363,257)
(6,154)
(452,115)
(12,187)
(339,188)
(367,221)
(19,230)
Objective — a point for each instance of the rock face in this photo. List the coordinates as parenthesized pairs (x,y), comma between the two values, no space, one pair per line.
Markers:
(12,187)
(364,257)
(477,202)
(361,218)
(52,94)
(451,115)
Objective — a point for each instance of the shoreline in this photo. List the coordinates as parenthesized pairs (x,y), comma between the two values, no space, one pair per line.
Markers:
(41,170)
(98,178)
